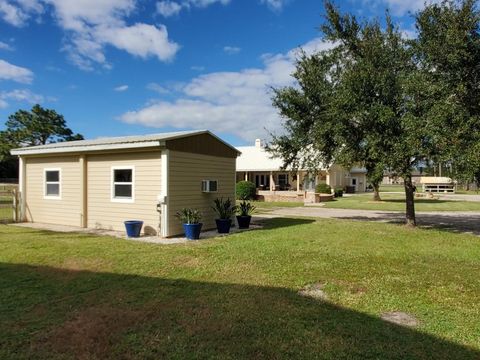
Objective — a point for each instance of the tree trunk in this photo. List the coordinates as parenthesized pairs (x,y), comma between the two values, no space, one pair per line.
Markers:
(410,202)
(376,192)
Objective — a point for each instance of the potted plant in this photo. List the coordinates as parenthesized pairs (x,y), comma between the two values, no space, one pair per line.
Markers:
(244,210)
(190,219)
(225,210)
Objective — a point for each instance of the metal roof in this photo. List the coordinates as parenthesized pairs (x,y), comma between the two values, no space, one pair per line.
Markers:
(256,158)
(112,143)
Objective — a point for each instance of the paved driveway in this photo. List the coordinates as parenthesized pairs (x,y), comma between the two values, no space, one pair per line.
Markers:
(465,222)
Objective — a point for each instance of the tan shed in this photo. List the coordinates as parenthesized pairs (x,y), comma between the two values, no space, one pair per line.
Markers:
(102,183)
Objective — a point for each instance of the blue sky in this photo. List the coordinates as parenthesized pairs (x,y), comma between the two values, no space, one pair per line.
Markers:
(121,67)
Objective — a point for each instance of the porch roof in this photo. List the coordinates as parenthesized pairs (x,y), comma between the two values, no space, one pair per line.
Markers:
(256,158)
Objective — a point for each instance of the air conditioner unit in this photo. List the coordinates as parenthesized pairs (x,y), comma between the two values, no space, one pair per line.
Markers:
(209,186)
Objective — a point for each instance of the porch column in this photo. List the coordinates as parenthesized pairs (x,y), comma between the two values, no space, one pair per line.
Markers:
(272,182)
(298,181)
(246,176)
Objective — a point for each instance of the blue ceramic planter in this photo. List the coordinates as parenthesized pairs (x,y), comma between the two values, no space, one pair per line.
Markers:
(192,231)
(133,228)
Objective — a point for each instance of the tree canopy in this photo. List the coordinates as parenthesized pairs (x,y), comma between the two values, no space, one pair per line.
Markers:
(383,101)
(38,126)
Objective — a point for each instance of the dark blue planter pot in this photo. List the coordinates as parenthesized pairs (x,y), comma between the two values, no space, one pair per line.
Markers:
(133,228)
(223,225)
(244,221)
(192,231)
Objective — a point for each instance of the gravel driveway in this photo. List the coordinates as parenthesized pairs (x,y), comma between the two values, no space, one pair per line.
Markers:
(465,222)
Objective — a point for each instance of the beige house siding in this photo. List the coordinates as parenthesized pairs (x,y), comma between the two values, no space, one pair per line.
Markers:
(186,172)
(102,211)
(63,211)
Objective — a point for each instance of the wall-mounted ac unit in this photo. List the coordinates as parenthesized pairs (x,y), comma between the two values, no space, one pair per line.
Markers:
(209,186)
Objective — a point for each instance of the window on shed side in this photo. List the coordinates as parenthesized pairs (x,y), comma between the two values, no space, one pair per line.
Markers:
(122,187)
(52,183)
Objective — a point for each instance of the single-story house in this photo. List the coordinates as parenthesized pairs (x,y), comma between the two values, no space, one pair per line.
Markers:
(101,183)
(255,164)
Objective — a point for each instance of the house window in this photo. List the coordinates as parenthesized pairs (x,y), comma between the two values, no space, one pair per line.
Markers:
(262,182)
(123,184)
(282,180)
(52,184)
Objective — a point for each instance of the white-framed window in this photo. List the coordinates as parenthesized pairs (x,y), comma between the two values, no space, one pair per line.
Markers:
(209,185)
(52,184)
(123,184)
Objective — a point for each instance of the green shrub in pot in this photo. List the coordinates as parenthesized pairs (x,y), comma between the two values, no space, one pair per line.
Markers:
(225,210)
(190,219)
(244,217)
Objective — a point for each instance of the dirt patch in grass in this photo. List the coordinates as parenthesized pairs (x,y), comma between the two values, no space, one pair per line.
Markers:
(90,333)
(400,318)
(89,264)
(314,291)
(187,261)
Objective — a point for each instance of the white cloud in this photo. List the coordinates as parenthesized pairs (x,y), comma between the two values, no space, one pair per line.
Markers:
(121,88)
(21,95)
(15,73)
(238,103)
(276,5)
(12,14)
(158,88)
(169,8)
(141,40)
(232,50)
(93,25)
(5,46)
(17,12)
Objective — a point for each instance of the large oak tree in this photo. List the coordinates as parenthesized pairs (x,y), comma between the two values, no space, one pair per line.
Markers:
(381,100)
(38,126)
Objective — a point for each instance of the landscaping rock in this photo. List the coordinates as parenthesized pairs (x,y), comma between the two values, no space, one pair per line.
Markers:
(400,318)
(314,291)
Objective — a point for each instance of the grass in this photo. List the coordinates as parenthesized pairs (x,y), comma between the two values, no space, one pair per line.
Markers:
(263,206)
(6,210)
(78,296)
(392,188)
(396,202)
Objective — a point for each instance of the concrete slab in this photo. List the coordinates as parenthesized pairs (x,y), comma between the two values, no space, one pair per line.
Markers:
(256,224)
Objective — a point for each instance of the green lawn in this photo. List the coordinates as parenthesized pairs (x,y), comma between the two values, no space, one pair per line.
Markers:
(262,206)
(6,211)
(69,296)
(392,188)
(394,202)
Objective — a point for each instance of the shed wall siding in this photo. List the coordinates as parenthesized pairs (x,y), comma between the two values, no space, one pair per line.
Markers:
(64,211)
(105,214)
(186,172)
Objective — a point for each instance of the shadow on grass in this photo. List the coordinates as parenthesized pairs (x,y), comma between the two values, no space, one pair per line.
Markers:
(369,200)
(58,313)
(279,222)
(456,223)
